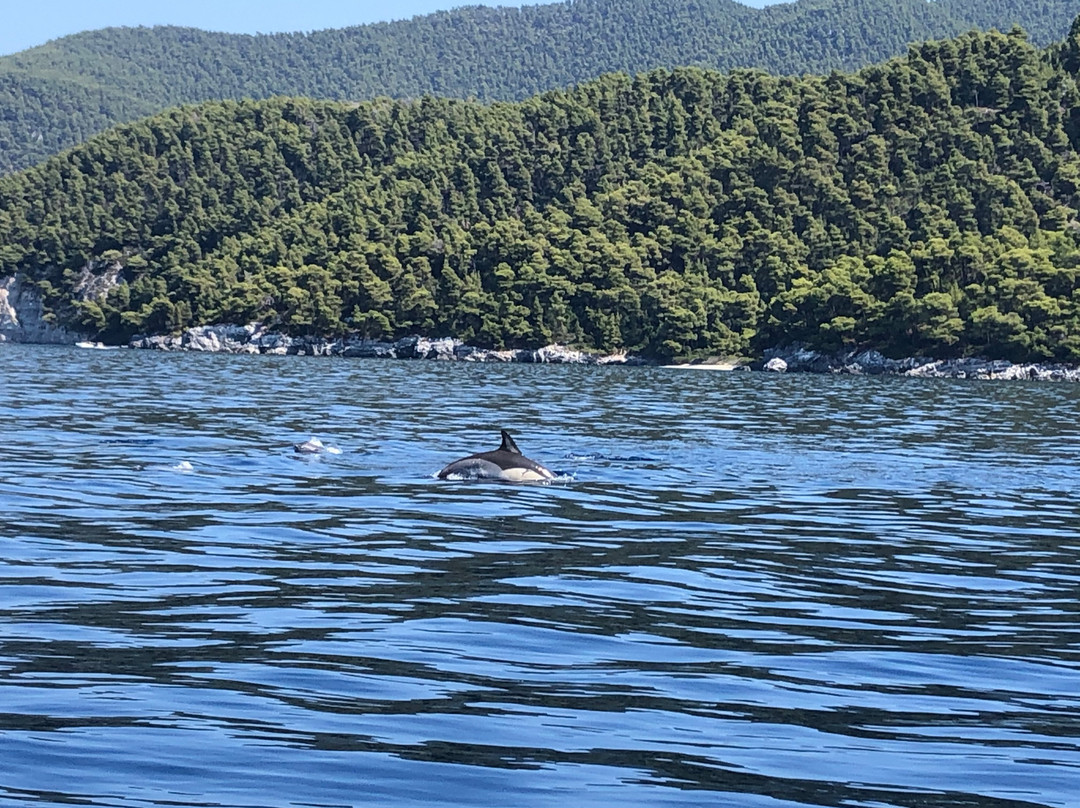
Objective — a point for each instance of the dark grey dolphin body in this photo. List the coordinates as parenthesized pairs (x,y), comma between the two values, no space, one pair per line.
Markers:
(505,463)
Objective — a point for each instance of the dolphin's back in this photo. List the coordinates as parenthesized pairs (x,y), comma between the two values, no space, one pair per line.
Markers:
(505,463)
(474,467)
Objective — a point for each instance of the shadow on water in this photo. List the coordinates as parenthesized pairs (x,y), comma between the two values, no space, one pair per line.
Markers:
(749,590)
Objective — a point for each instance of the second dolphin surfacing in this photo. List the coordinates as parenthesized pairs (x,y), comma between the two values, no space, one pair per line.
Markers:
(505,463)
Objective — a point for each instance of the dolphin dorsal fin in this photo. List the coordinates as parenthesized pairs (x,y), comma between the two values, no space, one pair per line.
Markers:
(508,444)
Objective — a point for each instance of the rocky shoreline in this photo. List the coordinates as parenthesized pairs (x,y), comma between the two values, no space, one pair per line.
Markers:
(253,339)
(798,359)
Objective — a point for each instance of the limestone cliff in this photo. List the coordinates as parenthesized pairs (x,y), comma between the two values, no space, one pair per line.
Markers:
(21,315)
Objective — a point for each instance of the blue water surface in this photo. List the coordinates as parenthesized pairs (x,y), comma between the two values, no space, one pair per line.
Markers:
(744,590)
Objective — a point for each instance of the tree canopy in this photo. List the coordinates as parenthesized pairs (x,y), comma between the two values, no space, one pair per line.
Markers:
(926,204)
(58,94)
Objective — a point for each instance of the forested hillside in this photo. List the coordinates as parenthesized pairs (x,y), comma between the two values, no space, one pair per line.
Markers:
(57,95)
(928,204)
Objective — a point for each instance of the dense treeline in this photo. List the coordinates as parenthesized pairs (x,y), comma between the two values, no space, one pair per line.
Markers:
(56,95)
(928,204)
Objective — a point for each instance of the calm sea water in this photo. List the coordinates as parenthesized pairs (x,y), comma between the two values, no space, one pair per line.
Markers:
(745,590)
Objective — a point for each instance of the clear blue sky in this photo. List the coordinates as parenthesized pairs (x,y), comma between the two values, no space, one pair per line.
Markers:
(26,23)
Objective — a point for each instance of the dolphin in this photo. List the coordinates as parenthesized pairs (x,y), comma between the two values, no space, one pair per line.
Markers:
(315,446)
(505,463)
